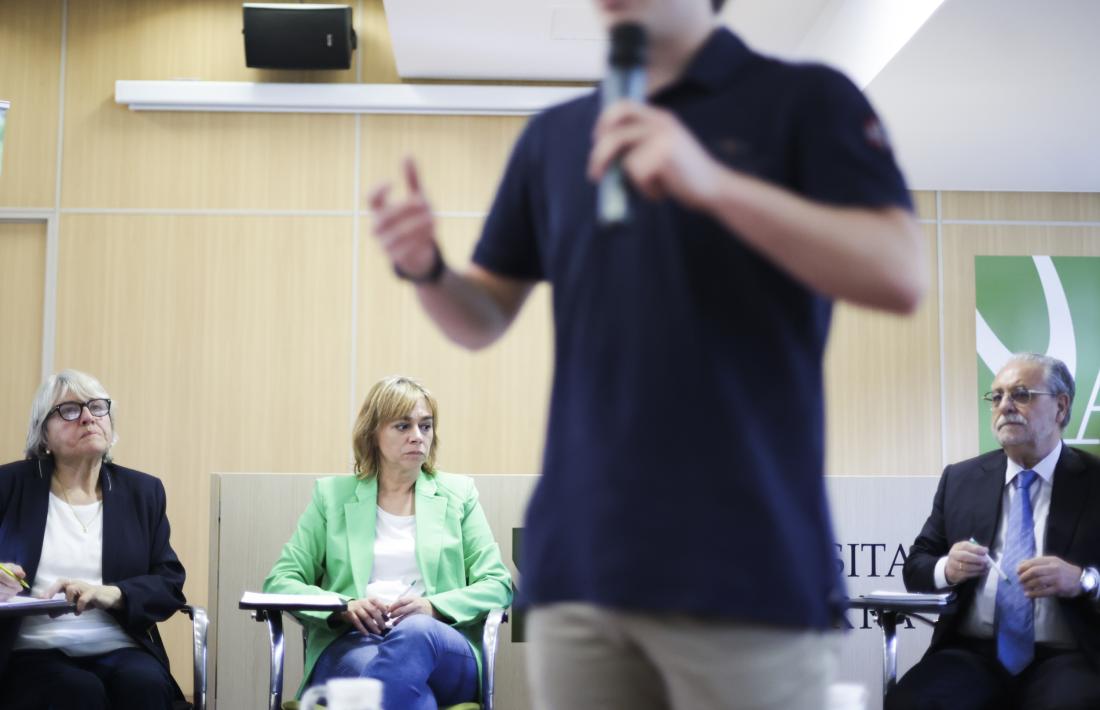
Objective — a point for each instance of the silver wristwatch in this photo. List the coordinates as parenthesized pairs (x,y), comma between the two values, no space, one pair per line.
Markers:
(1090,583)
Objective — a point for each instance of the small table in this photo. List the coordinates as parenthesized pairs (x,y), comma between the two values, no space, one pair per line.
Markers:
(888,612)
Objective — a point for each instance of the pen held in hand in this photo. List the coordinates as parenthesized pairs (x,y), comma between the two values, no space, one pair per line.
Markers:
(11,574)
(407,589)
(389,619)
(993,563)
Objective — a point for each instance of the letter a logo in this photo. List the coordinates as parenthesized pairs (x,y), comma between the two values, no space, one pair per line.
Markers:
(1047,305)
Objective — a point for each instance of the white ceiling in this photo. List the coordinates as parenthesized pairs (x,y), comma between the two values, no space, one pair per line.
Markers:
(987,95)
(998,95)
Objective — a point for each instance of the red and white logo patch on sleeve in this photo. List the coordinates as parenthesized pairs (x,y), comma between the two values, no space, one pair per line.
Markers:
(875,133)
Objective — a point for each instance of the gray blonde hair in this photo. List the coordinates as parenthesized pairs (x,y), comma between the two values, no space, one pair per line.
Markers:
(82,386)
(1057,378)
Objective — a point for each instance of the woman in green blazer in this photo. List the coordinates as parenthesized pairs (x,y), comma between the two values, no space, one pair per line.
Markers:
(411,550)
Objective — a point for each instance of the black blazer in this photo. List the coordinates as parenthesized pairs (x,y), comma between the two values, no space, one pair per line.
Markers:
(968,504)
(137,555)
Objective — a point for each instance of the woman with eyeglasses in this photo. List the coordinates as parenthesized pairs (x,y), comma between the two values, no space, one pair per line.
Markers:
(72,522)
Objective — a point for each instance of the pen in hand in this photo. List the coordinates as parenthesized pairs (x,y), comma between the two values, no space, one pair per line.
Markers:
(389,619)
(21,581)
(993,563)
(407,589)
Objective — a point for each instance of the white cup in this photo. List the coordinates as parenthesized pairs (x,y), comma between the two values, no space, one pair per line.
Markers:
(346,694)
(847,696)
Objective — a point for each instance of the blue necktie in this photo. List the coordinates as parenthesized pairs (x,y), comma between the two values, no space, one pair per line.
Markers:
(1015,612)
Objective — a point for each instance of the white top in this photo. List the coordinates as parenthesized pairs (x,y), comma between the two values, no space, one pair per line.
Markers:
(394,573)
(1050,626)
(68,552)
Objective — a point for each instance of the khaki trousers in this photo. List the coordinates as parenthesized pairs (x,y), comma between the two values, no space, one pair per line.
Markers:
(585,657)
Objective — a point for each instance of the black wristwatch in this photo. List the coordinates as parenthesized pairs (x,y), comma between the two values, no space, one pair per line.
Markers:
(1090,583)
(434,274)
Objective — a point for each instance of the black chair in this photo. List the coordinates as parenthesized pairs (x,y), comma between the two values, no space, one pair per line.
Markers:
(272,614)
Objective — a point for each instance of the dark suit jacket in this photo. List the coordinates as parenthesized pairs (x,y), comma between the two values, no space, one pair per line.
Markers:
(137,556)
(968,504)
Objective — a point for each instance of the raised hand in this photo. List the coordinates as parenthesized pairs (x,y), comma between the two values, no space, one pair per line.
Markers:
(406,229)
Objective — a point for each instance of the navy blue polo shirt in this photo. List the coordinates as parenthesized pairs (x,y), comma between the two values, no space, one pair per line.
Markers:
(684,456)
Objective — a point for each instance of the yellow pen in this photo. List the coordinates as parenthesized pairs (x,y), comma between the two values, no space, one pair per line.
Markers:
(11,574)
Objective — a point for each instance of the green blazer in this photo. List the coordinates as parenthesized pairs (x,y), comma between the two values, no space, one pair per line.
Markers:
(333,551)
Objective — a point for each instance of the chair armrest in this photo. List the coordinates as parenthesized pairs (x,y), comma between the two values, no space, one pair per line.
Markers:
(200,624)
(269,608)
(493,620)
(889,613)
(906,608)
(292,602)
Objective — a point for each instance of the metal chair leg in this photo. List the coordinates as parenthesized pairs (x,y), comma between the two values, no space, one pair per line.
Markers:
(200,623)
(495,618)
(274,621)
(888,620)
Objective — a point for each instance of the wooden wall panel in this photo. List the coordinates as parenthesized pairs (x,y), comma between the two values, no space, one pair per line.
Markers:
(493,403)
(460,158)
(167,39)
(118,158)
(882,385)
(22,269)
(1029,206)
(375,48)
(924,204)
(961,243)
(225,343)
(30,42)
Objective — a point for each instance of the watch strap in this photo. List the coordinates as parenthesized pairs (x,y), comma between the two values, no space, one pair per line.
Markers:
(433,275)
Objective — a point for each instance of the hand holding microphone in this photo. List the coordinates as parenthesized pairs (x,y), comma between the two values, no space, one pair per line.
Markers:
(626,79)
(642,144)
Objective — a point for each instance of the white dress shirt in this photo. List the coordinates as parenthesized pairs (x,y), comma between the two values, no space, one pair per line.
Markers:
(1050,626)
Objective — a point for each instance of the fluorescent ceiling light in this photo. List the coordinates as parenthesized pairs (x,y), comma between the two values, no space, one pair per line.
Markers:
(340,98)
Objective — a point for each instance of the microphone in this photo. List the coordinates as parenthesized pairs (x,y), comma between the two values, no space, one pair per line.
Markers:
(626,79)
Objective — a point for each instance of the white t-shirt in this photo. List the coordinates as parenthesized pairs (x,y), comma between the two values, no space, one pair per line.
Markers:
(70,552)
(394,574)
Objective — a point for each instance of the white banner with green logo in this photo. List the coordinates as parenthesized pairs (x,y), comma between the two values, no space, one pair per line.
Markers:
(1047,305)
(4,106)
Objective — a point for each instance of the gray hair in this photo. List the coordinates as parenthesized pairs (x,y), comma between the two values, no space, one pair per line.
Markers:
(1056,376)
(82,386)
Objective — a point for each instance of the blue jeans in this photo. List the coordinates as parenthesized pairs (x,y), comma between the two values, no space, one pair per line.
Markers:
(422,663)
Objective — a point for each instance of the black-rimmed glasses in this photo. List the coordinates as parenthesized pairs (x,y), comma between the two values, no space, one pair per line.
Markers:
(70,411)
(1020,395)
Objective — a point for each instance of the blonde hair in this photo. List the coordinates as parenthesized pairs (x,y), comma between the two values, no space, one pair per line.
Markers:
(390,399)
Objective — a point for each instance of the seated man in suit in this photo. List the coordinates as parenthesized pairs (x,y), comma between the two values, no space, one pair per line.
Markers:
(1031,638)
